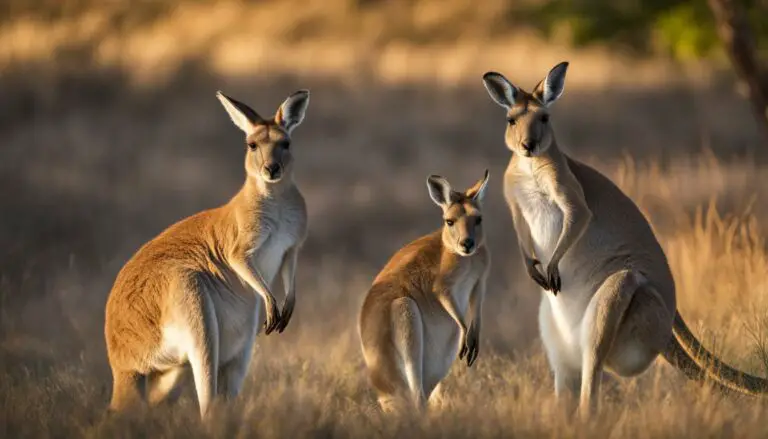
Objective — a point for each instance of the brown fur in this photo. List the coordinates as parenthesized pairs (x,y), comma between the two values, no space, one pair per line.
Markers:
(425,307)
(186,298)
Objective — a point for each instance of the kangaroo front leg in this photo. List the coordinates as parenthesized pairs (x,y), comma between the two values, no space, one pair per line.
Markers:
(448,302)
(472,346)
(288,271)
(598,331)
(251,276)
(576,217)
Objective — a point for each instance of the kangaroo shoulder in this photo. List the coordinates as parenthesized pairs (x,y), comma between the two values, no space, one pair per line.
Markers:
(417,260)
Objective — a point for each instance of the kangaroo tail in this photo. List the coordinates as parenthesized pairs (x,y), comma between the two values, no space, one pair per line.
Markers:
(686,353)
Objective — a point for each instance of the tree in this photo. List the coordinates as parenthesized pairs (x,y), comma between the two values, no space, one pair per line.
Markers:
(739,43)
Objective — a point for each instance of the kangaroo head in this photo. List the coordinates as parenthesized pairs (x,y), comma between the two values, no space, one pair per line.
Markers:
(529,132)
(268,156)
(462,218)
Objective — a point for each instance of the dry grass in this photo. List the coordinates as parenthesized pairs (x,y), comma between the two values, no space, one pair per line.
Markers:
(107,137)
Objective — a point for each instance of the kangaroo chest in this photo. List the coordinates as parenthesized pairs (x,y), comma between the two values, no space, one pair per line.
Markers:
(543,217)
(279,230)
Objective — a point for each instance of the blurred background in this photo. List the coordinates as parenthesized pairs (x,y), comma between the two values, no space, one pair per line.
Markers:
(110,131)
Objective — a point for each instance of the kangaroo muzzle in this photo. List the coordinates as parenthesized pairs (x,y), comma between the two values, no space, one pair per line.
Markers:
(272,172)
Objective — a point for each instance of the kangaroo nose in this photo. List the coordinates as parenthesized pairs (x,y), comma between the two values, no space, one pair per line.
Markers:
(529,145)
(467,245)
(273,170)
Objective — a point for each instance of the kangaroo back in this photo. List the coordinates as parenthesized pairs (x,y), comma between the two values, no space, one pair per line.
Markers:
(193,294)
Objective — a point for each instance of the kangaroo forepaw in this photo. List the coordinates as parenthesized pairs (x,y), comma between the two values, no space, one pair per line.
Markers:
(532,266)
(273,318)
(553,278)
(286,315)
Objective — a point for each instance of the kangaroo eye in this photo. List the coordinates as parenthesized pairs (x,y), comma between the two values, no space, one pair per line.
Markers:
(545,118)
(252,146)
(479,220)
(449,222)
(511,121)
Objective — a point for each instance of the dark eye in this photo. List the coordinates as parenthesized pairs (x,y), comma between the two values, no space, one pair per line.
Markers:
(449,222)
(479,220)
(251,146)
(286,145)
(511,121)
(545,118)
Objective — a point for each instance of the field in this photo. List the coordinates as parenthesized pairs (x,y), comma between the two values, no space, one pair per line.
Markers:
(107,139)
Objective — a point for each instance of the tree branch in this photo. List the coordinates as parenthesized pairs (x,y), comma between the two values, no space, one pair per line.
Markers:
(738,39)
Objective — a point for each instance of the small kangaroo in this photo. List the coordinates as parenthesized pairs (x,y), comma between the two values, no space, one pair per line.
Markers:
(611,296)
(425,305)
(189,296)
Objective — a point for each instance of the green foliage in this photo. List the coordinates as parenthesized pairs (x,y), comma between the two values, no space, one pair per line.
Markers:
(683,29)
(686,31)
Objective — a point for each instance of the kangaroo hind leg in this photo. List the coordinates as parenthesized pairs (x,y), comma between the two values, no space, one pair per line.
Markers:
(598,332)
(397,360)
(128,390)
(165,386)
(643,334)
(408,337)
(203,350)
(232,375)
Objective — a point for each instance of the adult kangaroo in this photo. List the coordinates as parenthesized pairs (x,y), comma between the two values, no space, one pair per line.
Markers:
(192,296)
(608,293)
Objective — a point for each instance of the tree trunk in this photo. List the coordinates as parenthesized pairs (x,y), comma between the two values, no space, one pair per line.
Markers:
(736,35)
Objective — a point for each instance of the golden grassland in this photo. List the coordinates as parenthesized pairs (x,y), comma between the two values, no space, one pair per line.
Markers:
(310,382)
(108,137)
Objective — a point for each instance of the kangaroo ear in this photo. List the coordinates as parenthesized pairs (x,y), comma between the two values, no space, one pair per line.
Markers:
(439,190)
(501,90)
(477,191)
(291,112)
(551,88)
(243,116)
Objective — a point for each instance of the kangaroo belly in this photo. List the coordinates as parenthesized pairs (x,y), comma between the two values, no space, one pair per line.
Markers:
(560,321)
(442,335)
(237,316)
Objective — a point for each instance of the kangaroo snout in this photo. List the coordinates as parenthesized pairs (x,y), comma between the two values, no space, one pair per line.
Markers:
(273,171)
(530,145)
(468,245)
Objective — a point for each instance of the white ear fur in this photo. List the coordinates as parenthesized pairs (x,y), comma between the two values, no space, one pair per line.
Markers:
(291,112)
(552,87)
(480,187)
(243,116)
(439,190)
(501,90)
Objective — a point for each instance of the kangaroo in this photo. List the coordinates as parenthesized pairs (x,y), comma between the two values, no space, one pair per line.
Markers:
(608,294)
(189,296)
(425,305)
